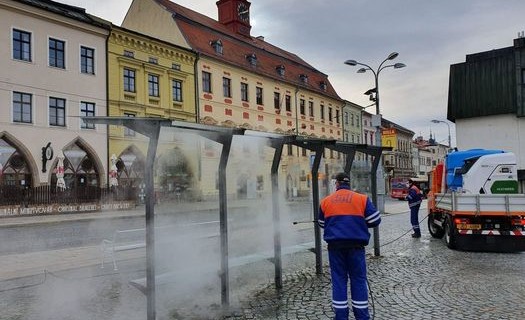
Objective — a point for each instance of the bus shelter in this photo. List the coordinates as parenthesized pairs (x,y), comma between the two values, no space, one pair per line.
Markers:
(150,128)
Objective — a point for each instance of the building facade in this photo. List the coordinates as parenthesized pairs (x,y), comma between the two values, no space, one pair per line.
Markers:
(486,101)
(246,82)
(53,62)
(352,128)
(427,154)
(397,162)
(150,78)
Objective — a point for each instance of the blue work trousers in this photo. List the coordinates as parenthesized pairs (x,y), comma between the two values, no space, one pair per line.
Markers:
(414,219)
(349,264)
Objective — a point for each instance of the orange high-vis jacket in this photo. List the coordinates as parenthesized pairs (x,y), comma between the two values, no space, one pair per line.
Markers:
(346,215)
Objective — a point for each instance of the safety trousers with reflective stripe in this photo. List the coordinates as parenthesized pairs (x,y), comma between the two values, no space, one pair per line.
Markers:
(351,263)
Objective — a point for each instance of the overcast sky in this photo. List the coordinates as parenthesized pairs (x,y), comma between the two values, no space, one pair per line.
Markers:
(429,36)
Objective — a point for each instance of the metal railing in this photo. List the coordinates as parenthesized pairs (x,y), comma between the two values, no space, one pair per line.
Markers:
(46,195)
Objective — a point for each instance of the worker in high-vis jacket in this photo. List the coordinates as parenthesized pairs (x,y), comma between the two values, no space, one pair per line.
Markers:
(414,198)
(346,216)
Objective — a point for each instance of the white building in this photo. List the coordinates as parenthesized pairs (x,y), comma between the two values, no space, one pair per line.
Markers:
(53,62)
(487,101)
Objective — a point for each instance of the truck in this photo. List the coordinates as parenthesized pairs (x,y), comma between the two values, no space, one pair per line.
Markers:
(474,202)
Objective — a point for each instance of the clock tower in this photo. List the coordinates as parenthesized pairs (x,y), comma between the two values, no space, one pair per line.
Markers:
(235,14)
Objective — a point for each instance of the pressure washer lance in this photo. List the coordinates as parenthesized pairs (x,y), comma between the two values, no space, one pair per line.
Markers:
(299,222)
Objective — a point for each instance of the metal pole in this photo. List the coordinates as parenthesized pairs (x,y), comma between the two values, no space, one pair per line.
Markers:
(276,216)
(225,290)
(315,200)
(375,198)
(378,173)
(150,224)
(449,142)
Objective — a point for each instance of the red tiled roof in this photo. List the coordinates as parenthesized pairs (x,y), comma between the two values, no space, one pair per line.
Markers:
(200,30)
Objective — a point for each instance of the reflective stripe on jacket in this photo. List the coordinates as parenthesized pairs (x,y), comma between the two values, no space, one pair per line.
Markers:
(414,196)
(346,215)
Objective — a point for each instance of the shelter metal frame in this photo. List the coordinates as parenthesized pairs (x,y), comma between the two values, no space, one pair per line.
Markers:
(150,127)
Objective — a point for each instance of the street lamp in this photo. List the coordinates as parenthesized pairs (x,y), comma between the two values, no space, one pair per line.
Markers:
(391,56)
(379,178)
(441,121)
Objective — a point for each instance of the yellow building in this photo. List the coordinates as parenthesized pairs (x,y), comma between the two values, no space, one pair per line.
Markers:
(147,77)
(246,82)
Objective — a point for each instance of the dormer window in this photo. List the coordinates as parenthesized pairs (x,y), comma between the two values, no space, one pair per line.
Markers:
(323,85)
(303,78)
(280,70)
(217,46)
(252,59)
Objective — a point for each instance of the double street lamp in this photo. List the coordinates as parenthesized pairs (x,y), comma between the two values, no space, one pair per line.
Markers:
(441,121)
(391,56)
(379,177)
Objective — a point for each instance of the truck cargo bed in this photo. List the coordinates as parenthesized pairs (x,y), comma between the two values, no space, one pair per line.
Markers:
(494,204)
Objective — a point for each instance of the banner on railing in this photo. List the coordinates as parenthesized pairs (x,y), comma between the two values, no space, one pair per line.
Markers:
(69,208)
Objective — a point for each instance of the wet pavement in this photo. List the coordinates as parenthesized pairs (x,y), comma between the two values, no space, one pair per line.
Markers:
(411,279)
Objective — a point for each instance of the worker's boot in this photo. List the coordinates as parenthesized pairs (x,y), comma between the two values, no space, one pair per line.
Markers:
(416,235)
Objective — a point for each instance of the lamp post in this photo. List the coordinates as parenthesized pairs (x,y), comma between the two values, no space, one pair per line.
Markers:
(379,176)
(441,121)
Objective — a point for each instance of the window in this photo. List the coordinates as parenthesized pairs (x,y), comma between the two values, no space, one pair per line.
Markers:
(303,78)
(280,70)
(330,117)
(311,108)
(288,103)
(337,116)
(244,91)
(277,100)
(127,131)
(289,149)
(87,60)
(206,82)
(217,46)
(346,118)
(21,45)
(252,59)
(302,107)
(129,54)
(259,95)
(22,107)
(227,87)
(57,53)
(57,112)
(322,112)
(153,85)
(176,86)
(357,121)
(87,109)
(129,80)
(153,60)
(352,119)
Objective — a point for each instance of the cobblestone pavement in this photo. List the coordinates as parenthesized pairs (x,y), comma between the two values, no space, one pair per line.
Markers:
(411,279)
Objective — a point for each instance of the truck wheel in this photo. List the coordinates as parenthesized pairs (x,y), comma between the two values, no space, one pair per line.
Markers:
(450,237)
(434,230)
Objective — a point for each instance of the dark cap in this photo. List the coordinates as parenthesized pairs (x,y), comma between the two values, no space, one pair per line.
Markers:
(342,177)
